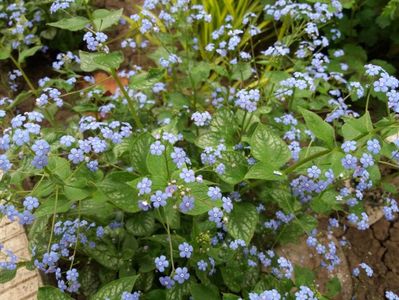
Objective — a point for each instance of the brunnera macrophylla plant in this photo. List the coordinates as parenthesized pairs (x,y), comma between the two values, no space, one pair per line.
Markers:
(185,181)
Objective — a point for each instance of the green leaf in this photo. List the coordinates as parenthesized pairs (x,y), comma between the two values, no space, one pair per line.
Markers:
(291,232)
(90,62)
(200,72)
(202,202)
(72,24)
(27,53)
(7,275)
(5,52)
(141,224)
(114,289)
(161,166)
(230,297)
(355,127)
(53,205)
(236,167)
(242,221)
(120,194)
(146,80)
(319,127)
(333,287)
(104,18)
(201,292)
(325,202)
(264,171)
(285,200)
(139,149)
(59,166)
(241,71)
(268,147)
(53,293)
(303,276)
(223,127)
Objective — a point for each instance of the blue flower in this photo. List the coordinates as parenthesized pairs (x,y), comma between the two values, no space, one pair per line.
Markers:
(5,164)
(181,275)
(21,137)
(367,160)
(166,281)
(185,250)
(157,148)
(76,156)
(187,204)
(187,175)
(30,203)
(216,215)
(159,199)
(349,162)
(314,172)
(348,146)
(161,263)
(144,186)
(214,193)
(202,265)
(374,146)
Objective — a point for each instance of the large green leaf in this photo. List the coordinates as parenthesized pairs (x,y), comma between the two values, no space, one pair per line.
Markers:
(73,24)
(120,194)
(146,80)
(141,224)
(320,128)
(201,292)
(268,147)
(223,127)
(90,62)
(114,289)
(139,149)
(202,202)
(355,127)
(264,171)
(50,292)
(236,167)
(242,221)
(5,52)
(104,18)
(28,52)
(7,275)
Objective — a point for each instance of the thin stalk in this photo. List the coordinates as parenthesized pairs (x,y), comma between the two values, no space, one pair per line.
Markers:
(129,100)
(53,221)
(26,78)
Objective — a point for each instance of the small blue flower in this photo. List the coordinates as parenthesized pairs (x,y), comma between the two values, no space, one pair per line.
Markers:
(185,250)
(144,186)
(181,275)
(187,175)
(348,146)
(76,156)
(202,265)
(157,148)
(214,193)
(166,281)
(30,203)
(187,204)
(349,162)
(159,199)
(161,263)
(21,137)
(5,164)
(374,146)
(367,160)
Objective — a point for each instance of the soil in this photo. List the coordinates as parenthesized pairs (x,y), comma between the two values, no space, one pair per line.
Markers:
(378,247)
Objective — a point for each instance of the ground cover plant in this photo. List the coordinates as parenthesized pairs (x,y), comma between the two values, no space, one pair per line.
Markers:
(173,152)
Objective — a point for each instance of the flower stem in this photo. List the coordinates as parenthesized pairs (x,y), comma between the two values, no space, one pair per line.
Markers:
(129,100)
